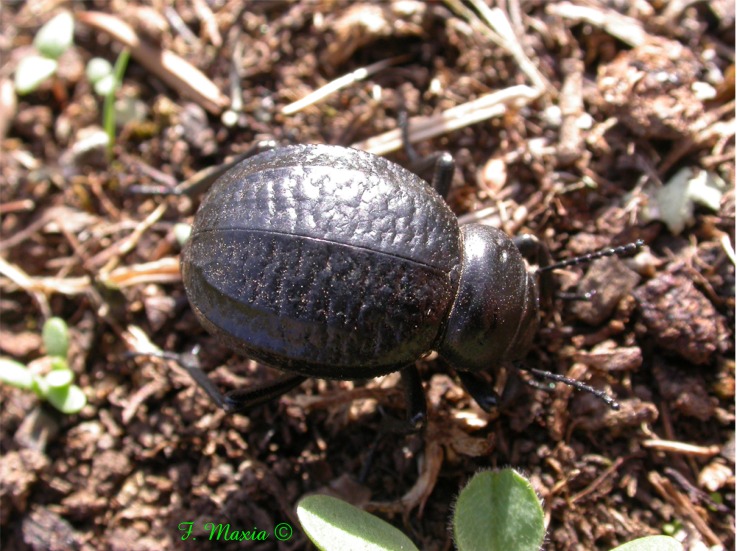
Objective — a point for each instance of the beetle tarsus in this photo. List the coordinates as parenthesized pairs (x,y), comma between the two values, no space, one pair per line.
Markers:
(241,399)
(190,362)
(581,297)
(192,365)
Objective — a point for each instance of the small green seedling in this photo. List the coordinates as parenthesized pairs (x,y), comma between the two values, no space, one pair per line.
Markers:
(99,72)
(51,41)
(108,110)
(55,386)
(496,511)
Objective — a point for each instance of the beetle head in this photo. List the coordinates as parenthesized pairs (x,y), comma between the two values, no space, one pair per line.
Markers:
(495,313)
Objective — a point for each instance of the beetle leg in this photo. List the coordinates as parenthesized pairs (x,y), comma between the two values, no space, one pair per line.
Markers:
(202,180)
(238,400)
(480,390)
(416,404)
(442,176)
(537,254)
(190,362)
(192,365)
(441,163)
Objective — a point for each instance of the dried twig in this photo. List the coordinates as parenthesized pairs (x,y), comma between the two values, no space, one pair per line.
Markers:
(683,506)
(460,116)
(346,80)
(496,28)
(178,73)
(626,29)
(681,448)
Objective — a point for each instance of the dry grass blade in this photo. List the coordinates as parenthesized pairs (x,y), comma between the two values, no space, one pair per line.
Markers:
(132,240)
(165,270)
(626,29)
(497,28)
(43,285)
(178,73)
(460,116)
(681,448)
(346,80)
(683,506)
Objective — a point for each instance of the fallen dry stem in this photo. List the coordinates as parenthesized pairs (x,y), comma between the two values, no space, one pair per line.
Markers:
(178,73)
(341,82)
(626,29)
(496,28)
(460,116)
(681,448)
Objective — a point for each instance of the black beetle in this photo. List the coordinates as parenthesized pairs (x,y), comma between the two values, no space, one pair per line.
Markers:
(330,262)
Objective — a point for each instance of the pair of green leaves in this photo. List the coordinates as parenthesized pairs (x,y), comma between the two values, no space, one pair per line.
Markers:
(55,386)
(496,511)
(51,41)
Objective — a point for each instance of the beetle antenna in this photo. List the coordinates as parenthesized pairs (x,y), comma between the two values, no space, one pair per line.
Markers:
(581,297)
(608,400)
(622,250)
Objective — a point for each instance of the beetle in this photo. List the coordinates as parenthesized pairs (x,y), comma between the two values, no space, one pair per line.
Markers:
(329,262)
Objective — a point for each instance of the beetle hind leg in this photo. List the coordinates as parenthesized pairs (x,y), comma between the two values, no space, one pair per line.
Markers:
(235,400)
(246,398)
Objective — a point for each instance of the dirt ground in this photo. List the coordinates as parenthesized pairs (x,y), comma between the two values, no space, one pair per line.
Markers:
(588,113)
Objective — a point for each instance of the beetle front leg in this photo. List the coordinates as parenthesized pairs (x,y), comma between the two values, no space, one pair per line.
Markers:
(537,254)
(480,390)
(415,394)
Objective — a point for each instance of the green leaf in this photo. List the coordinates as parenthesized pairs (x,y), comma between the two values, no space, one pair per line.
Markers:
(57,362)
(15,374)
(40,386)
(55,37)
(68,399)
(32,71)
(498,511)
(59,378)
(651,543)
(334,525)
(108,108)
(56,337)
(97,69)
(106,85)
